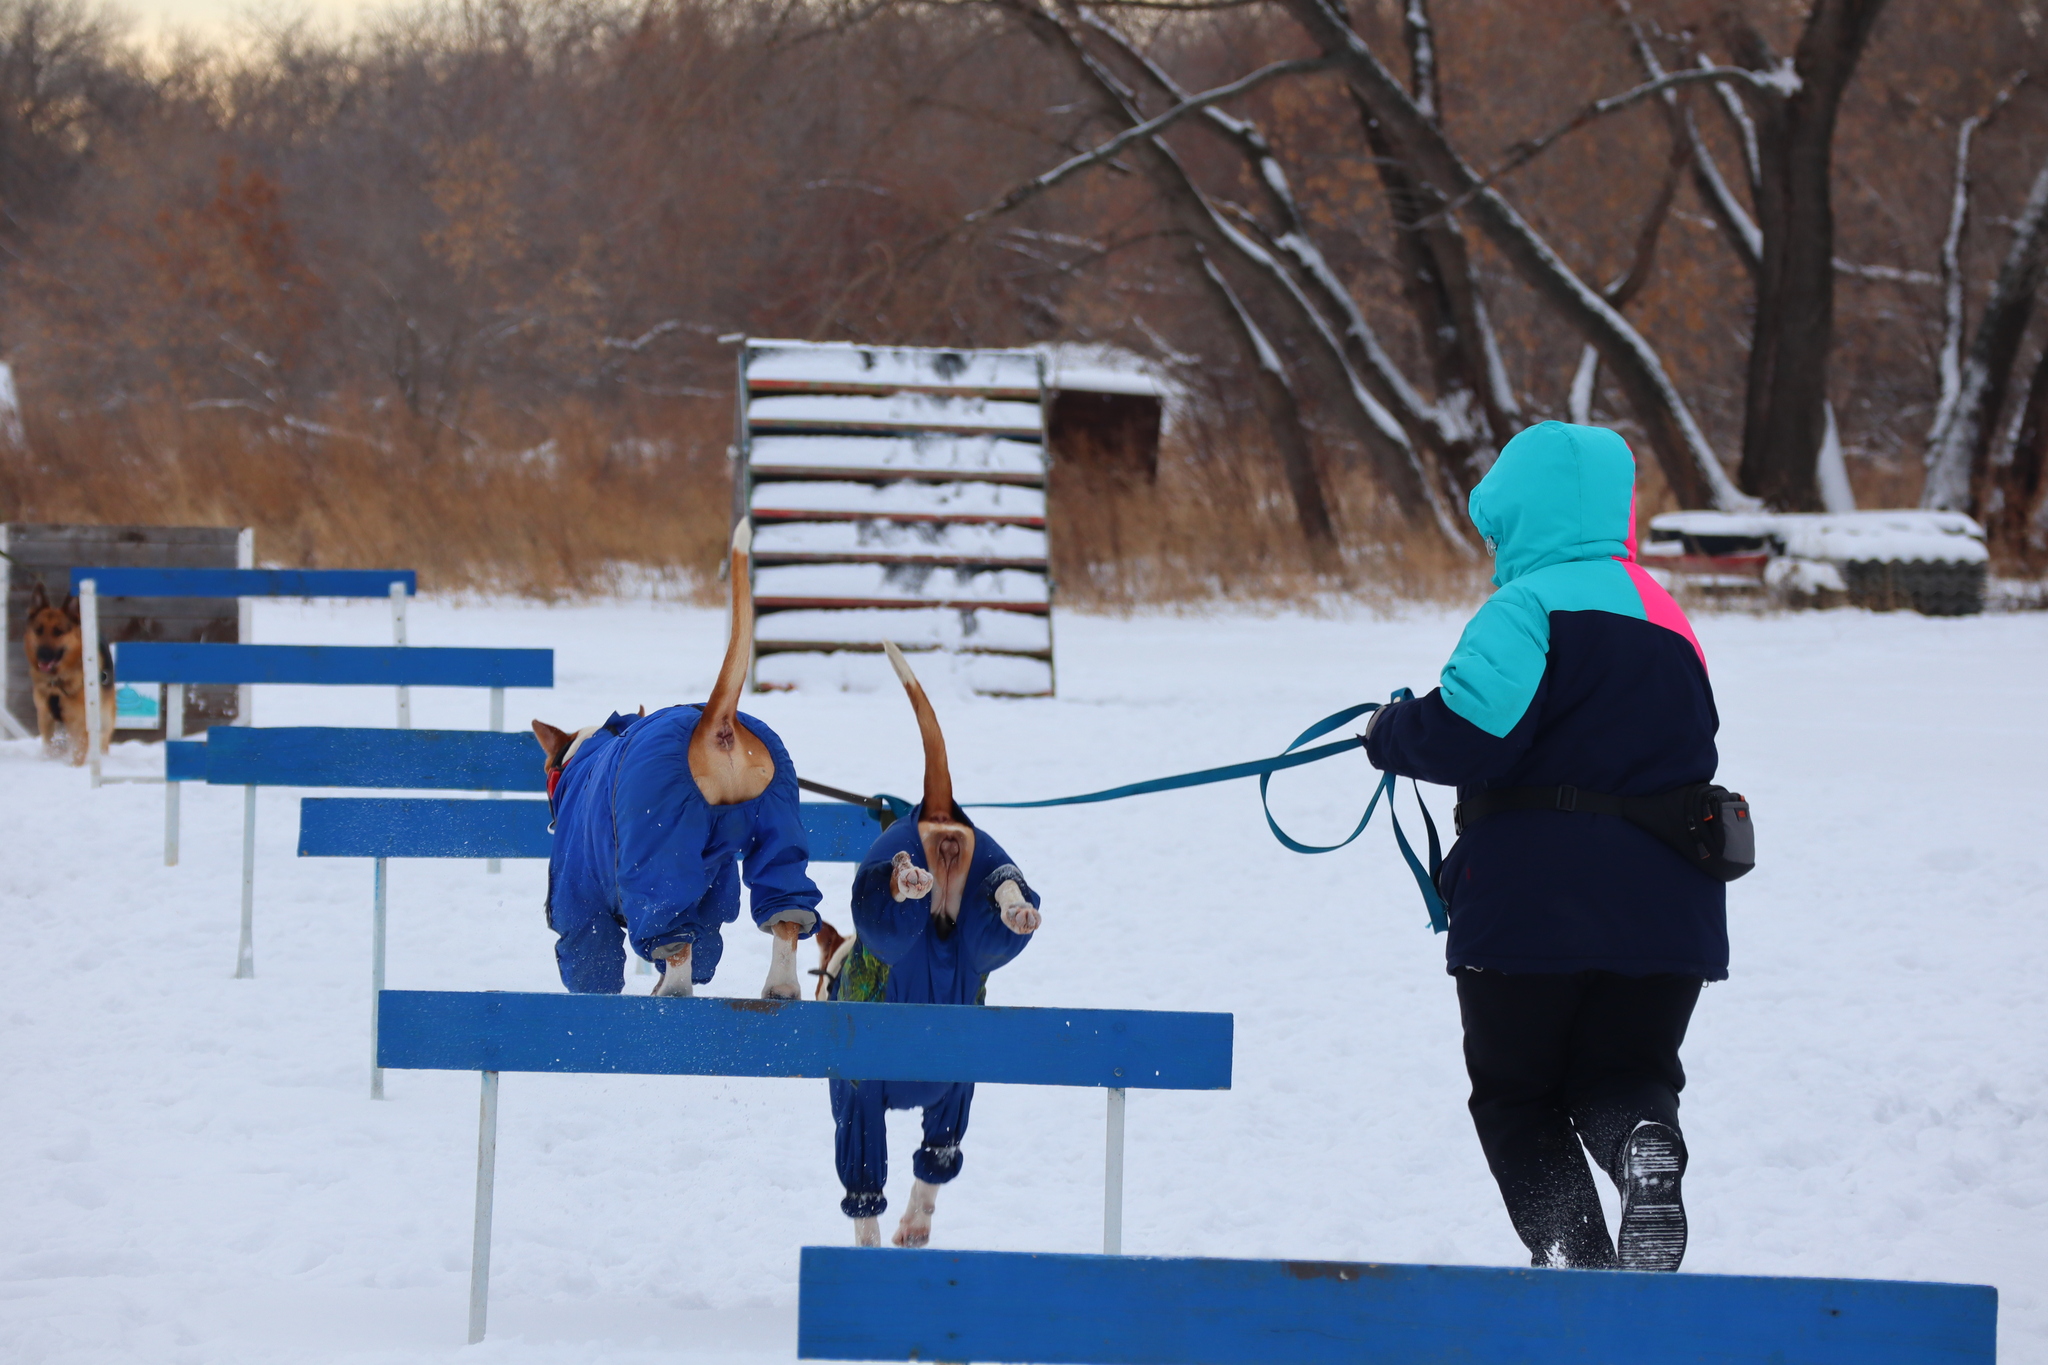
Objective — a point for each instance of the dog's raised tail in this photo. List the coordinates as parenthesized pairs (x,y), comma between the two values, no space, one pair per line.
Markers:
(938,777)
(732,674)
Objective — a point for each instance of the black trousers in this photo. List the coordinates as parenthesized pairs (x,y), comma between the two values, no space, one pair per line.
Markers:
(1561,1061)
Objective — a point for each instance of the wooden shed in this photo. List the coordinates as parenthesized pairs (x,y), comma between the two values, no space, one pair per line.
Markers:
(48,554)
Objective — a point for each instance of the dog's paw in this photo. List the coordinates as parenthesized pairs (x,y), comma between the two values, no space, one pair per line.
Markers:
(1020,916)
(776,990)
(908,881)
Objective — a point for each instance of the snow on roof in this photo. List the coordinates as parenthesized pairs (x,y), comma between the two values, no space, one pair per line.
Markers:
(772,364)
(1842,537)
(1090,367)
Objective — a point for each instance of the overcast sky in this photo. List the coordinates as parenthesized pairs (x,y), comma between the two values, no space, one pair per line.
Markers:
(216,21)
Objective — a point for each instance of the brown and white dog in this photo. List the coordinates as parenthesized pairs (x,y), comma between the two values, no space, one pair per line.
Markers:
(938,906)
(729,765)
(55,646)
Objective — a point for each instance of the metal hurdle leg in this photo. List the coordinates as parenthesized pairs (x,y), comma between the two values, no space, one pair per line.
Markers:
(89,667)
(174,728)
(1113,1177)
(245,957)
(497,724)
(245,625)
(398,638)
(376,978)
(486,1178)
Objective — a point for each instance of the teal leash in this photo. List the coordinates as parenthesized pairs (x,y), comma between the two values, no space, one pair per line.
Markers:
(1293,756)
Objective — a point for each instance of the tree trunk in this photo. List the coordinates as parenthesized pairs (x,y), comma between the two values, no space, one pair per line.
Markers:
(1215,239)
(2018,483)
(1681,448)
(1282,409)
(1961,449)
(1321,354)
(1785,411)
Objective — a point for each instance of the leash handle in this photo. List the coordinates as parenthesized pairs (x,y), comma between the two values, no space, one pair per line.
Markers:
(1317,731)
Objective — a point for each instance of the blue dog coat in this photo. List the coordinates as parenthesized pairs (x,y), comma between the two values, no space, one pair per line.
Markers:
(899,957)
(640,854)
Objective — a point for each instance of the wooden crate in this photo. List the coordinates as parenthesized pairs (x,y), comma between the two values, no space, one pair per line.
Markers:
(49,553)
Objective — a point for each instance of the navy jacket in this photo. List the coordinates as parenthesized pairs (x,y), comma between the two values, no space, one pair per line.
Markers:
(1581,670)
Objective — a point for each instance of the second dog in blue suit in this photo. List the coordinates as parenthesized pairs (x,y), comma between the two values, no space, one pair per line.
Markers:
(937,906)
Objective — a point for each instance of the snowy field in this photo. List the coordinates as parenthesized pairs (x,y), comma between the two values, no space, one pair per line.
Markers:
(191,1170)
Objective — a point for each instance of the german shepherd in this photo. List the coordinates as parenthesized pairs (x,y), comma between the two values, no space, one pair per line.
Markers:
(56,648)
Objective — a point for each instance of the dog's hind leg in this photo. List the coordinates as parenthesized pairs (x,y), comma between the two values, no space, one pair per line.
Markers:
(675,976)
(782,982)
(916,1228)
(867,1232)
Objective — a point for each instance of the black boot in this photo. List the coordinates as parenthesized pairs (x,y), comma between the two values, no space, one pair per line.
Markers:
(1652,1235)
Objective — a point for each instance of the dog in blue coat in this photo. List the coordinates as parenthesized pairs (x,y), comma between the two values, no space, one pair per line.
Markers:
(937,906)
(658,819)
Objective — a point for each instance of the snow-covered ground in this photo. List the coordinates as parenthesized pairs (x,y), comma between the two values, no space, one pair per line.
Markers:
(190,1169)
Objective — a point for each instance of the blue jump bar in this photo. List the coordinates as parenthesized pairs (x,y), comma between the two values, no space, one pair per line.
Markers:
(704,1036)
(989,1306)
(422,827)
(337,756)
(111,582)
(341,665)
(454,827)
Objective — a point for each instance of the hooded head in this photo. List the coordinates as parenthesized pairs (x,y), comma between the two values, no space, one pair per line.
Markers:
(942,827)
(1558,493)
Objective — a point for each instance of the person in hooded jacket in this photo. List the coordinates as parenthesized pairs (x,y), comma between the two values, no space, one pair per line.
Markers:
(1579,941)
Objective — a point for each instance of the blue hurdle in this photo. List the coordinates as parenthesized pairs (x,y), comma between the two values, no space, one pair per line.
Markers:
(334,756)
(490,1032)
(92,583)
(382,828)
(1095,1310)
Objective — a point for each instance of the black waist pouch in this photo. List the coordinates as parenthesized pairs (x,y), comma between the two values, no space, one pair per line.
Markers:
(1708,826)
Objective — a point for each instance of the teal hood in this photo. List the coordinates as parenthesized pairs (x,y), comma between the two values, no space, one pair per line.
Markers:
(1557,494)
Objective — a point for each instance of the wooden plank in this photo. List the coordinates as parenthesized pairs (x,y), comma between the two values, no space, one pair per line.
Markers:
(793,473)
(774,515)
(124,582)
(828,388)
(335,665)
(771,558)
(858,1304)
(765,605)
(703,1036)
(335,756)
(769,363)
(763,648)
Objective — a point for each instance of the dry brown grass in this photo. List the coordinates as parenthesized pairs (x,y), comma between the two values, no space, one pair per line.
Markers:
(539,509)
(572,504)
